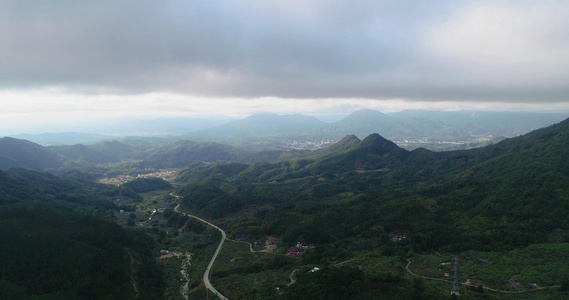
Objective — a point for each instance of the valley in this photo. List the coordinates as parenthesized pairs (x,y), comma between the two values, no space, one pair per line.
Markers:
(359,218)
(278,150)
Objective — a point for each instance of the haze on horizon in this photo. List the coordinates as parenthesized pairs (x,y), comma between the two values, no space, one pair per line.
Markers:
(70,62)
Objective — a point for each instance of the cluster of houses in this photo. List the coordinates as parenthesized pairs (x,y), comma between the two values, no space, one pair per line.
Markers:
(296,250)
(399,237)
(158,174)
(272,244)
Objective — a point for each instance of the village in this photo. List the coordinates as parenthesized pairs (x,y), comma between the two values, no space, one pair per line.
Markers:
(271,245)
(120,179)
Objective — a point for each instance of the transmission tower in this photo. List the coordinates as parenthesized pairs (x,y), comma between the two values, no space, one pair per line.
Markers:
(455,282)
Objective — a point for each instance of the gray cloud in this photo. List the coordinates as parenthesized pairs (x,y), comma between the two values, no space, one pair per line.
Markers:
(514,51)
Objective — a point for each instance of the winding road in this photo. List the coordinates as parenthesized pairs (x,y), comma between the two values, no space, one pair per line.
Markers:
(208,269)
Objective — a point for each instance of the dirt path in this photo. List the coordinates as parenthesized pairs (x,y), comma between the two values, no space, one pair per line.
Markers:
(344,262)
(250,245)
(132,274)
(471,285)
(292,277)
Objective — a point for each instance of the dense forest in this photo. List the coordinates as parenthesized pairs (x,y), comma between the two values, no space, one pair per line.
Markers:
(56,244)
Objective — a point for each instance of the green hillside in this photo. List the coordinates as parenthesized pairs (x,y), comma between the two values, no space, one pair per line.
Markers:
(54,246)
(499,197)
(16,153)
(83,155)
(114,149)
(372,205)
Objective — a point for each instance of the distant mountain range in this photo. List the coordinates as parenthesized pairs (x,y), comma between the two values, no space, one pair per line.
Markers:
(265,124)
(507,124)
(410,129)
(63,138)
(436,130)
(266,137)
(17,153)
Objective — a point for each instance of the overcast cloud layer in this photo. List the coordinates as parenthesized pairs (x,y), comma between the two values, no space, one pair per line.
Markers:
(504,51)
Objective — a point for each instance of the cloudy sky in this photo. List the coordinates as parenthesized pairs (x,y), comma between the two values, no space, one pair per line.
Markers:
(71,60)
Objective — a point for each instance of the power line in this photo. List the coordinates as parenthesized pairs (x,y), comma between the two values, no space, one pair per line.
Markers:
(454,290)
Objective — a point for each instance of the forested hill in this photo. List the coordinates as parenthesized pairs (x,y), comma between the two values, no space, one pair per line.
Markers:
(16,153)
(498,197)
(81,153)
(52,248)
(264,124)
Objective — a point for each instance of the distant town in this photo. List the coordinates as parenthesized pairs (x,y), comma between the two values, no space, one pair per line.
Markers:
(312,145)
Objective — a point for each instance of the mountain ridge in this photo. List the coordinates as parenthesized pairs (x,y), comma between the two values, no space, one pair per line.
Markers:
(16,153)
(497,198)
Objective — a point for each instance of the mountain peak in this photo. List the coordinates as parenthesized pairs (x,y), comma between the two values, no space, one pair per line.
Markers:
(346,143)
(377,144)
(375,139)
(348,139)
(368,113)
(265,123)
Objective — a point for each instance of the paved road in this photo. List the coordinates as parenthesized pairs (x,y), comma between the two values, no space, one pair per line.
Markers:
(206,274)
